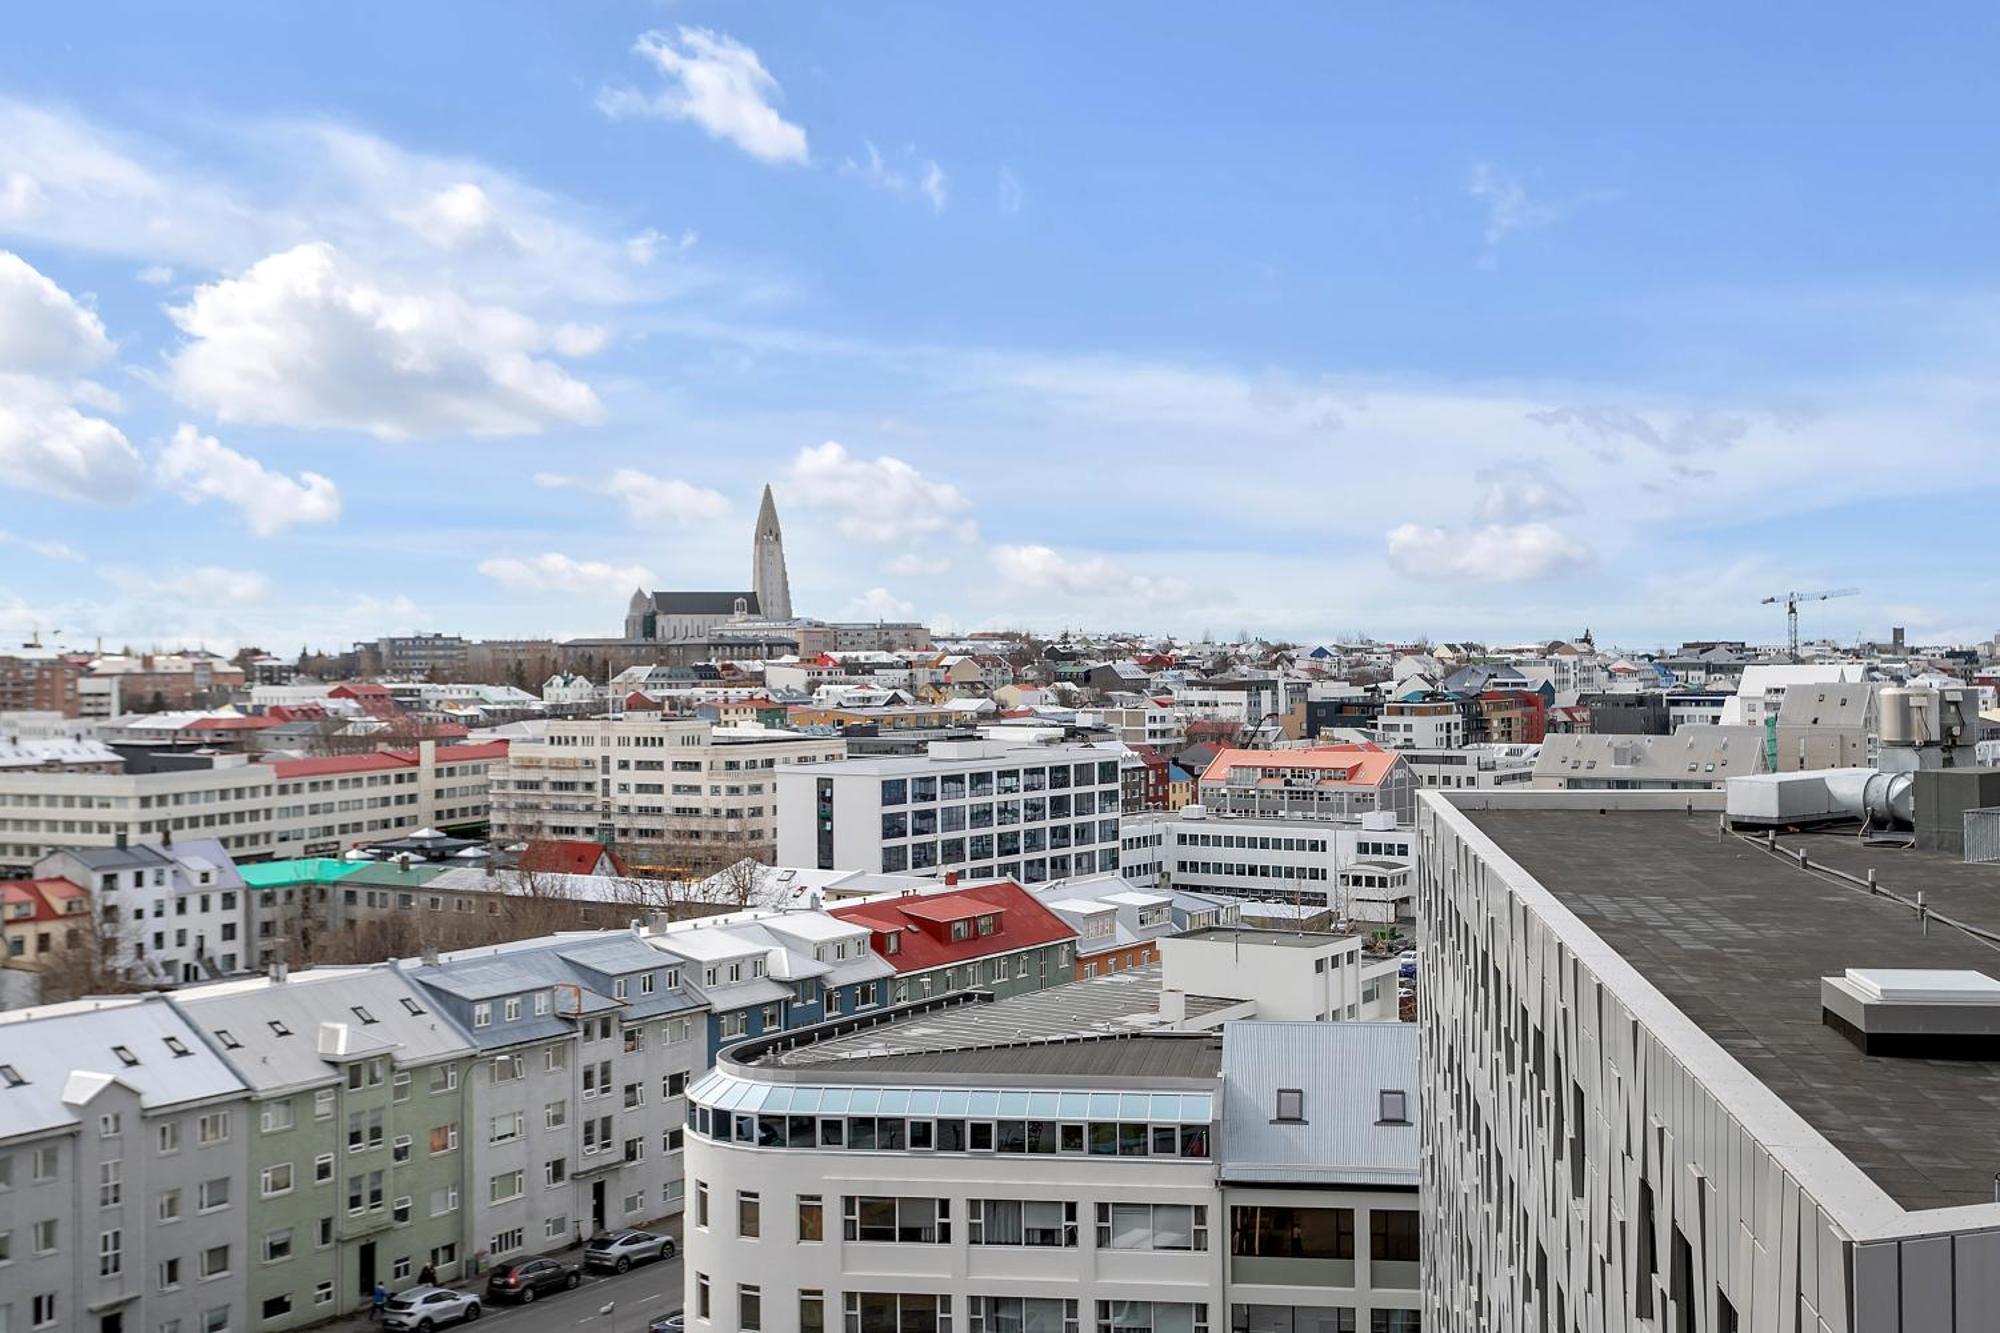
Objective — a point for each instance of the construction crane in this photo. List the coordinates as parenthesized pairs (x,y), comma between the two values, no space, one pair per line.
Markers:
(1791,602)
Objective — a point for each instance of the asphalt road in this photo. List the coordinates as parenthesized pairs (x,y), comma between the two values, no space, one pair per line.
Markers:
(636,1299)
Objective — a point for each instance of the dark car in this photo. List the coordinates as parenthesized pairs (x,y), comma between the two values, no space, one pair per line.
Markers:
(528,1278)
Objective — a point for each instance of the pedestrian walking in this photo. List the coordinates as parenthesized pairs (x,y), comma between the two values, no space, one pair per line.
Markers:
(378,1300)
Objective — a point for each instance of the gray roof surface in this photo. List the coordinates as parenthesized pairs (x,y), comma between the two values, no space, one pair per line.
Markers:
(1270,939)
(1126,1001)
(703,603)
(47,1044)
(1139,1055)
(270,1061)
(1341,1069)
(1738,939)
(582,961)
(134,856)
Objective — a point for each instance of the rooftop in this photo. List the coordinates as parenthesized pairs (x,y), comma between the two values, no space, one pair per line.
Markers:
(1266,939)
(1340,1071)
(1738,938)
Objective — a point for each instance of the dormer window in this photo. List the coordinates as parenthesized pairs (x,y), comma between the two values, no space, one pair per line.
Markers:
(961,930)
(646,983)
(618,988)
(892,943)
(1394,1104)
(1291,1106)
(511,1009)
(988,924)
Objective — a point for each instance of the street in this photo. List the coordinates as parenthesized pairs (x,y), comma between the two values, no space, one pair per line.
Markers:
(637,1298)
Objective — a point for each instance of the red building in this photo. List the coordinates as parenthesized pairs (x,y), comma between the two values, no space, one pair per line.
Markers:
(993,936)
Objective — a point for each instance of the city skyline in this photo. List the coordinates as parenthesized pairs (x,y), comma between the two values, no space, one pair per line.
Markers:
(1494,327)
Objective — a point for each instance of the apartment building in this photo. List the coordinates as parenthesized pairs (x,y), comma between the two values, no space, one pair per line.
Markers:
(357,1168)
(585,1046)
(1312,864)
(1422,724)
(1139,721)
(672,794)
(992,937)
(986,809)
(295,807)
(166,914)
(1480,767)
(1695,758)
(1628,1125)
(1031,1182)
(124,1177)
(35,679)
(1318,782)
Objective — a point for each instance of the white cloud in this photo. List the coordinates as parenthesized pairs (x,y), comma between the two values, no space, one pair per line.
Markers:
(717,83)
(1520,492)
(1510,209)
(1675,434)
(155,275)
(46,444)
(647,499)
(47,548)
(554,572)
(881,604)
(1011,194)
(43,329)
(911,565)
(203,586)
(199,467)
(920,175)
(645,247)
(303,339)
(1042,568)
(457,215)
(1495,553)
(879,500)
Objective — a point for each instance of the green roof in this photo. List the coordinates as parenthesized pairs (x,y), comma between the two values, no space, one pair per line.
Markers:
(308,870)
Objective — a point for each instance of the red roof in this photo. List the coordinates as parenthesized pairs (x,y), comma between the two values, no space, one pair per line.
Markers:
(1354,765)
(567,856)
(921,924)
(361,689)
(46,895)
(386,759)
(230,724)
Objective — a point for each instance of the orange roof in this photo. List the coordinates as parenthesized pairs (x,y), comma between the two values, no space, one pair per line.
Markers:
(1352,765)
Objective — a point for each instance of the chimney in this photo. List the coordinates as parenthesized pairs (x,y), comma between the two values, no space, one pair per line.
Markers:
(430,955)
(166,837)
(279,971)
(1173,1005)
(950,878)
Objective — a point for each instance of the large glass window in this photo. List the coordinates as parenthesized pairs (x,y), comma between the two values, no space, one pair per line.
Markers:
(1292,1233)
(1048,1223)
(1291,1319)
(896,824)
(923,789)
(904,1221)
(896,1312)
(1152,1226)
(1392,1235)
(895,791)
(1151,1317)
(1022,1314)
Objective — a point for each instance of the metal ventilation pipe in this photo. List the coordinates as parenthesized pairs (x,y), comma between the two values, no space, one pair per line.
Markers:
(1877,797)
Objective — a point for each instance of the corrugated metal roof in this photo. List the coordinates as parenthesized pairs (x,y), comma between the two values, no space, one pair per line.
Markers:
(1340,1069)
(45,1046)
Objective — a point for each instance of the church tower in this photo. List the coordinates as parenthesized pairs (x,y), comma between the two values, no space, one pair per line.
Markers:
(767,564)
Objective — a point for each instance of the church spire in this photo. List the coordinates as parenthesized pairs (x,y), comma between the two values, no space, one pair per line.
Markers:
(767,563)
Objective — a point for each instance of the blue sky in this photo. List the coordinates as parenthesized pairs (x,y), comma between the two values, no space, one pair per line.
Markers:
(1442,320)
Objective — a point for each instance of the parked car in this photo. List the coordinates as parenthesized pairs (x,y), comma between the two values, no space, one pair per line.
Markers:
(1408,957)
(1407,971)
(619,1250)
(528,1278)
(426,1308)
(669,1323)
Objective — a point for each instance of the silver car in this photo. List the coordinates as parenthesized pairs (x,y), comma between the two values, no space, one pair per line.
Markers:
(426,1308)
(619,1250)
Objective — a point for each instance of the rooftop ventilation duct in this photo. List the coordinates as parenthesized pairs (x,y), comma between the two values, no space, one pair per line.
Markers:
(1823,796)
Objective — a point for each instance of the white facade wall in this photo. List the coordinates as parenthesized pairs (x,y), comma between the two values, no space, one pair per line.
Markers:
(1320,983)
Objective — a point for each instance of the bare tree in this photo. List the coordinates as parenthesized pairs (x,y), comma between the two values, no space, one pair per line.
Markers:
(86,963)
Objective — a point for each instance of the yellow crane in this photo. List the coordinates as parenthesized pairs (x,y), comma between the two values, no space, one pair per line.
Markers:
(1791,601)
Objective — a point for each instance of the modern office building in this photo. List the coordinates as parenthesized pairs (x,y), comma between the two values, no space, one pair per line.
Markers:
(1356,868)
(1677,1078)
(982,809)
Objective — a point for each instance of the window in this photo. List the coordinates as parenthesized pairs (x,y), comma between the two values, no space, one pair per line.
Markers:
(1291,1233)
(511,1009)
(168,1137)
(399,1149)
(277,1179)
(911,1221)
(1151,1317)
(1291,1104)
(482,1015)
(44,1168)
(111,1252)
(110,1183)
(701,1295)
(322,1168)
(812,1311)
(701,1203)
(749,1214)
(364,1192)
(213,1128)
(555,1058)
(45,1236)
(444,1200)
(278,1245)
(1393,1235)
(275,1117)
(323,1293)
(111,1125)
(555,1171)
(170,1274)
(504,1187)
(169,1206)
(444,1078)
(213,1194)
(444,1138)
(1395,1107)
(555,1115)
(215,1261)
(812,1218)
(896,1312)
(507,1241)
(323,1233)
(1022,1314)
(323,1104)
(1152,1226)
(505,1128)
(556,1228)
(749,1308)
(1035,1222)
(42,1310)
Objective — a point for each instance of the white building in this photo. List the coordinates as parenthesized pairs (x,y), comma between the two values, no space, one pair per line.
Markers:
(1301,976)
(1321,865)
(983,809)
(1058,1186)
(668,792)
(172,913)
(1678,1139)
(1760,693)
(1483,767)
(1421,724)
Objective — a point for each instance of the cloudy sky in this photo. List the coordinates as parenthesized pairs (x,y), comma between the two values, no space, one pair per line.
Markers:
(1455,321)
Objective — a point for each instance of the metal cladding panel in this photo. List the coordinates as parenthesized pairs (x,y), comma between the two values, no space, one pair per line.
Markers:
(1926,1286)
(1878,1301)
(1976,1279)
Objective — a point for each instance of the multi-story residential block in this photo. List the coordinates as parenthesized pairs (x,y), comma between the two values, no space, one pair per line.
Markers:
(1320,782)
(124,1178)
(1118,926)
(992,937)
(1140,721)
(293,807)
(36,679)
(1355,868)
(358,1169)
(167,913)
(1677,1080)
(1429,723)
(1483,767)
(670,793)
(155,682)
(1040,1180)
(1692,759)
(763,972)
(40,920)
(1300,976)
(986,809)
(585,1047)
